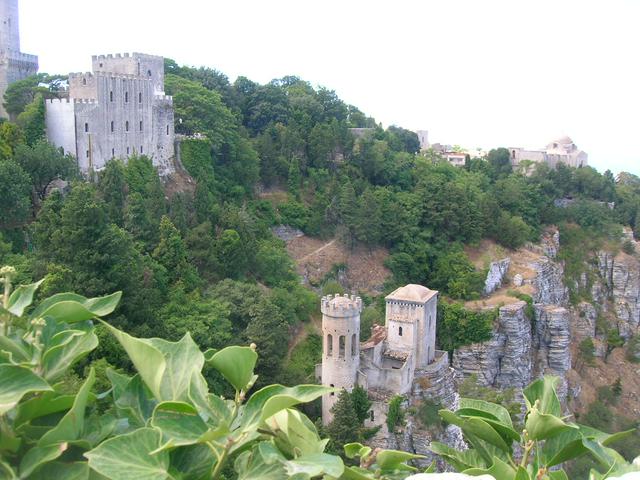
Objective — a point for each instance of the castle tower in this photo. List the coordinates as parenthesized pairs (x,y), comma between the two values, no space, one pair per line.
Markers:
(14,65)
(340,347)
(411,322)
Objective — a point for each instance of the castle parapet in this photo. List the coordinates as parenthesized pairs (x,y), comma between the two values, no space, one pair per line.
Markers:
(341,306)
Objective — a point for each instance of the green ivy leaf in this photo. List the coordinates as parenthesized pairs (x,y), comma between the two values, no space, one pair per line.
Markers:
(478,428)
(353,450)
(70,308)
(17,381)
(273,398)
(479,408)
(393,459)
(315,465)
(22,297)
(132,398)
(166,367)
(236,364)
(38,456)
(499,469)
(68,471)
(65,349)
(129,456)
(542,426)
(460,460)
(543,390)
(44,404)
(263,461)
(179,423)
(70,427)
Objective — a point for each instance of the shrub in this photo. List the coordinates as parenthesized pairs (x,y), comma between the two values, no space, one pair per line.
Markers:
(428,415)
(628,247)
(395,414)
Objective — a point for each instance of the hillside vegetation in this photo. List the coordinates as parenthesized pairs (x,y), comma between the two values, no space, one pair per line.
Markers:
(204,260)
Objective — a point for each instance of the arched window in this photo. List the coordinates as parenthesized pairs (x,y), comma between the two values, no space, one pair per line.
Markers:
(148,73)
(371,417)
(112,126)
(126,126)
(84,81)
(354,350)
(400,331)
(330,345)
(341,342)
(86,127)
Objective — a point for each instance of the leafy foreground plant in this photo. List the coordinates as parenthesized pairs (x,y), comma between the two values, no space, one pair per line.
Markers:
(546,442)
(161,423)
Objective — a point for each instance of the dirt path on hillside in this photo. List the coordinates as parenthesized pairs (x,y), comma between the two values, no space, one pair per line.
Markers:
(318,250)
(302,332)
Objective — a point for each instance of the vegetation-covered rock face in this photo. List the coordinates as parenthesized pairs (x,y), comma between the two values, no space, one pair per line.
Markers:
(202,261)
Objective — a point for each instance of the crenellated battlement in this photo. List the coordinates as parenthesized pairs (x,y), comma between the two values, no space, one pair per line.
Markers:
(85,100)
(341,306)
(52,101)
(167,98)
(19,56)
(74,75)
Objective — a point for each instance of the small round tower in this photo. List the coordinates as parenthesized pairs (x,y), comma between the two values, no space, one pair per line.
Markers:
(340,346)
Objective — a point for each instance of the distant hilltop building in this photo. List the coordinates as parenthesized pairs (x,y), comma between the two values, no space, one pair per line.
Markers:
(423,138)
(14,65)
(393,360)
(118,110)
(562,150)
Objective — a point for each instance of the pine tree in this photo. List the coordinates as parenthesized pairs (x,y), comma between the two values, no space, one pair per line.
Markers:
(345,426)
(361,403)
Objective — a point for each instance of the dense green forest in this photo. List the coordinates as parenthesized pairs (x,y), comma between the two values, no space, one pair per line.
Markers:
(205,261)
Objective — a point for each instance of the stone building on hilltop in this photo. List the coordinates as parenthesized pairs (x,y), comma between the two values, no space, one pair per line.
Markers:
(118,110)
(562,150)
(14,65)
(399,358)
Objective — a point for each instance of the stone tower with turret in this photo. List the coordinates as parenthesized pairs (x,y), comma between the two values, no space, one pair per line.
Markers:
(341,346)
(14,65)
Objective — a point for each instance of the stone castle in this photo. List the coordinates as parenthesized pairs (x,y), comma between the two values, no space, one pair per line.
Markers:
(116,111)
(14,65)
(559,151)
(392,360)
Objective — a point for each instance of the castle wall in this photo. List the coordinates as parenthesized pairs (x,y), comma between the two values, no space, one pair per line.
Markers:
(117,114)
(14,65)
(137,64)
(9,26)
(60,124)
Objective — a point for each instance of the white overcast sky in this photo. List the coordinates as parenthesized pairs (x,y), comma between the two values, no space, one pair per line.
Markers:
(478,73)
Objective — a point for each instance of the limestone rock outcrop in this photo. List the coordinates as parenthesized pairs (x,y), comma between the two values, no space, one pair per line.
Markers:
(505,360)
(495,275)
(549,283)
(551,339)
(620,276)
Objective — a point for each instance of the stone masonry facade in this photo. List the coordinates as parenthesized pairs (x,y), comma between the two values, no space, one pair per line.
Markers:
(14,65)
(116,111)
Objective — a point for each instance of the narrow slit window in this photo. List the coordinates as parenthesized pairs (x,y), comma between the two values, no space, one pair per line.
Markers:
(371,416)
(111,96)
(127,150)
(126,126)
(140,97)
(330,345)
(86,127)
(113,152)
(400,331)
(141,151)
(88,153)
(341,342)
(84,81)
(354,350)
(112,126)
(167,129)
(140,125)
(126,97)
(332,386)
